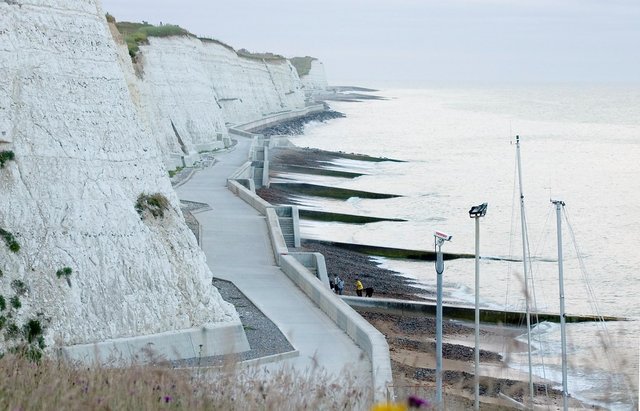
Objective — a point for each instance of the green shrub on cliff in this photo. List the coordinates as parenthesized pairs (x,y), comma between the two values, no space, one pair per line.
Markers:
(302,64)
(156,204)
(15,302)
(259,56)
(6,156)
(138,33)
(10,240)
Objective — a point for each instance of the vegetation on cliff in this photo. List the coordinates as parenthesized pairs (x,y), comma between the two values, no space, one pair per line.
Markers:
(259,56)
(6,156)
(135,34)
(302,64)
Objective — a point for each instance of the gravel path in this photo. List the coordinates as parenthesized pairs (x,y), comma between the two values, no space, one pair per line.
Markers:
(264,337)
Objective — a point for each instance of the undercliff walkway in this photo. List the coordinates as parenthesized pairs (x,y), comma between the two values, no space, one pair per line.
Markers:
(237,245)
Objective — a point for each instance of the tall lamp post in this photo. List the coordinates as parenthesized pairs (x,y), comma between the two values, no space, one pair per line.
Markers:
(439,238)
(476,212)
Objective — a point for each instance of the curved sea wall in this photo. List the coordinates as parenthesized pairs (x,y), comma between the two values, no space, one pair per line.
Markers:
(76,257)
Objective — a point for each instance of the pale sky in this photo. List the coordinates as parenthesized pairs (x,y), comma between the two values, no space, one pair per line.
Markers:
(415,43)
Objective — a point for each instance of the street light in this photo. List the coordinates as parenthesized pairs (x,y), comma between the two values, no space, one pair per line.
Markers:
(477,212)
(439,239)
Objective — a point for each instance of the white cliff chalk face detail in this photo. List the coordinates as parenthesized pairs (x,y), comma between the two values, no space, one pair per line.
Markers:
(316,80)
(82,157)
(191,89)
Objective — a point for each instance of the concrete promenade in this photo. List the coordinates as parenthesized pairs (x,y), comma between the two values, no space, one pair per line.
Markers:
(237,245)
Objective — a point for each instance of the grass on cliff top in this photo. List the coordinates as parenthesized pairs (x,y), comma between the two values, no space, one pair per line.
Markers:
(135,34)
(259,56)
(57,385)
(302,64)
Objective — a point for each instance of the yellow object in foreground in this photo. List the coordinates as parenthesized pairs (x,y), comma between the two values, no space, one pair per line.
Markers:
(390,406)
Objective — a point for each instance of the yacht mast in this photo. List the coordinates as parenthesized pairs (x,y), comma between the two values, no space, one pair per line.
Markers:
(524,261)
(563,335)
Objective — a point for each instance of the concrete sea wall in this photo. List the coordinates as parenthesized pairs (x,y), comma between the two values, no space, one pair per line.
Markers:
(297,267)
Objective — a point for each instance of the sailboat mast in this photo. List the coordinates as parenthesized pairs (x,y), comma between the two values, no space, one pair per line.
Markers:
(524,261)
(563,335)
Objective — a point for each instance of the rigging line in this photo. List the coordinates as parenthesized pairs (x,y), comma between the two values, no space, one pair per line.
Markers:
(506,346)
(593,301)
(602,323)
(534,307)
(537,253)
(510,260)
(506,306)
(591,293)
(542,243)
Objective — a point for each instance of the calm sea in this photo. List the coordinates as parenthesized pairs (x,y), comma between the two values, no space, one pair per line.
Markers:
(578,144)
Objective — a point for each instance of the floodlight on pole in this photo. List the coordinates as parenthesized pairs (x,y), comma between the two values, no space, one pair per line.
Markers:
(439,239)
(476,212)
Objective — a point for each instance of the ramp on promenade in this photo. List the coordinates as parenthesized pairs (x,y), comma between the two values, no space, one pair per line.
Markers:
(237,245)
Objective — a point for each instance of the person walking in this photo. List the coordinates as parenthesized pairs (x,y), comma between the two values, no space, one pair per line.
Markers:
(336,281)
(359,287)
(340,286)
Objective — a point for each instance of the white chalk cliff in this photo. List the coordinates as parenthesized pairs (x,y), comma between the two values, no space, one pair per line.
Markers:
(315,81)
(191,90)
(82,158)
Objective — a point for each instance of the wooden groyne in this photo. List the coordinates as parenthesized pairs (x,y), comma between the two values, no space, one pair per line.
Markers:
(391,252)
(342,218)
(328,192)
(465,313)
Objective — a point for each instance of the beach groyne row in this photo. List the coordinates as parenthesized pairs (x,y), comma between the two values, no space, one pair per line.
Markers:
(308,272)
(466,313)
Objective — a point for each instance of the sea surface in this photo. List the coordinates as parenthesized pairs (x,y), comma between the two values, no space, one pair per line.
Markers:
(579,144)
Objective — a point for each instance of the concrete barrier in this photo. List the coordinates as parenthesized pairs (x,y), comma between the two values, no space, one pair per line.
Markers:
(243,171)
(206,341)
(278,243)
(278,118)
(316,287)
(315,262)
(248,196)
(361,332)
(241,133)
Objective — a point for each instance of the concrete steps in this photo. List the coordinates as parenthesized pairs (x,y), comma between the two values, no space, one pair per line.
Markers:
(286,225)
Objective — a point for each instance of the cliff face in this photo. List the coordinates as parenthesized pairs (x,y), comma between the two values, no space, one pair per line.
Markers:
(82,158)
(190,89)
(316,80)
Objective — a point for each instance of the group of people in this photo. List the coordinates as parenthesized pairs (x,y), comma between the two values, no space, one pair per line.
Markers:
(337,286)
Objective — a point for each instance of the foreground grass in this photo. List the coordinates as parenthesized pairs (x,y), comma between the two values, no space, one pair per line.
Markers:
(54,385)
